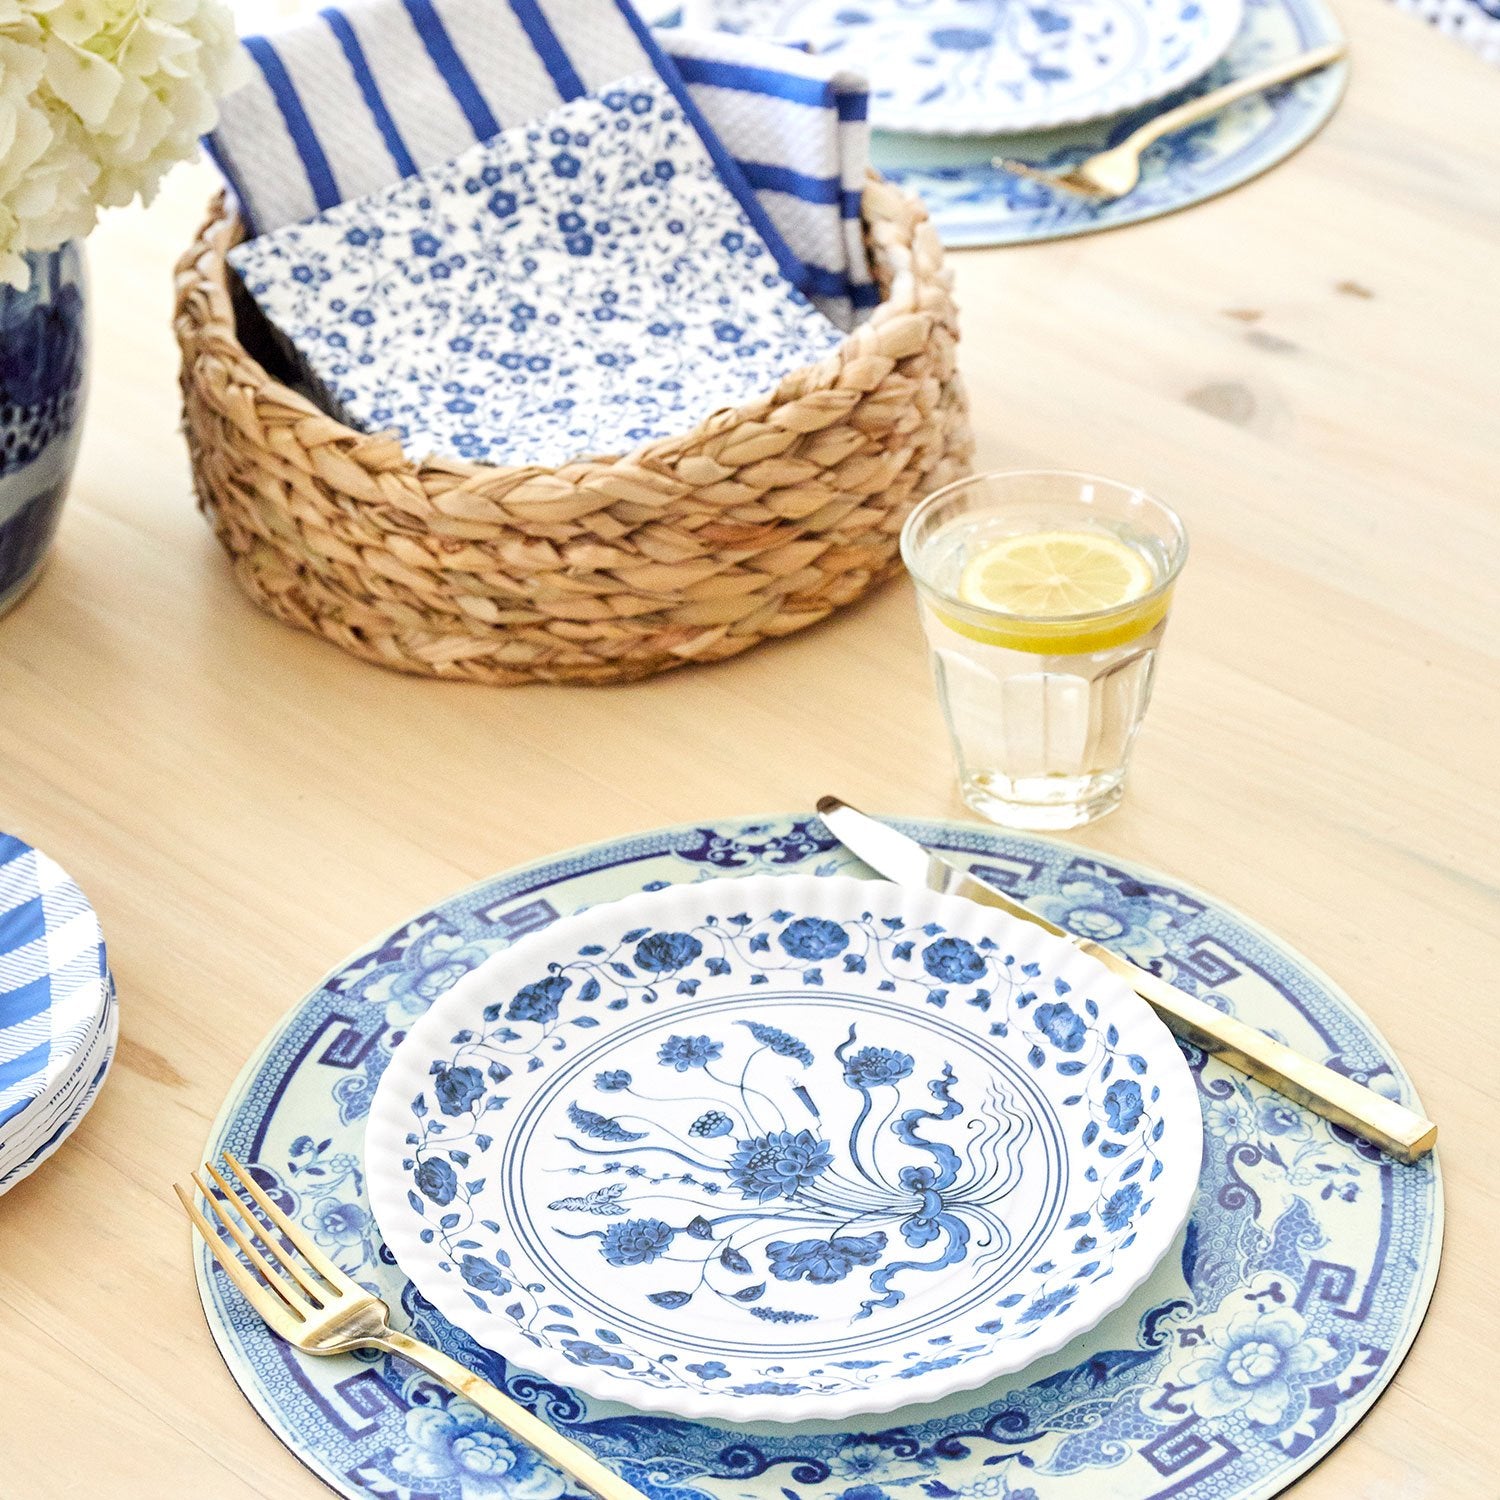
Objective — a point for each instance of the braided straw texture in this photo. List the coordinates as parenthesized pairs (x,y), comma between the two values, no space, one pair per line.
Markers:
(764,520)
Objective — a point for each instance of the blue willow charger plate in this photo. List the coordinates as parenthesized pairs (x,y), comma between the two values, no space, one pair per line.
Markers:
(974,202)
(783,1148)
(1285,1309)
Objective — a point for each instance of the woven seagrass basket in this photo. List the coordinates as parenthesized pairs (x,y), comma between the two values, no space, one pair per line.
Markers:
(763,520)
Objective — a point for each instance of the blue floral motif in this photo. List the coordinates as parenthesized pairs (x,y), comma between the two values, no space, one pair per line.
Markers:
(339,1225)
(1062,1024)
(783,1043)
(613,292)
(1049,1303)
(823,1261)
(871,1067)
(586,1352)
(711,1369)
(666,952)
(1123,1105)
(778,1165)
(462,1446)
(711,1124)
(636,1242)
(684,1052)
(813,938)
(954,961)
(438,962)
(1120,1206)
(1253,1363)
(1276,1116)
(539,1001)
(612,1080)
(458,1088)
(437,1180)
(481,1275)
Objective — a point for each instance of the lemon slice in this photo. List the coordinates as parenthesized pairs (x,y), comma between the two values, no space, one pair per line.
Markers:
(1045,580)
(1048,574)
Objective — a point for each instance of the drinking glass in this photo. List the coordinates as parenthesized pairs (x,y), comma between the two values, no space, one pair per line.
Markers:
(1042,707)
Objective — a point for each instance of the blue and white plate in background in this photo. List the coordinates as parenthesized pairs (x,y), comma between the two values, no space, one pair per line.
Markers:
(57,1015)
(974,202)
(783,1148)
(965,67)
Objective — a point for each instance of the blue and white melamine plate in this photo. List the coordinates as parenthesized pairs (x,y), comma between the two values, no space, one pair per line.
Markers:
(966,67)
(57,1024)
(787,1149)
(974,202)
(1301,1281)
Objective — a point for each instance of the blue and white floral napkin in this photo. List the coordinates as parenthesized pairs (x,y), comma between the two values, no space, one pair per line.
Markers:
(361,94)
(569,288)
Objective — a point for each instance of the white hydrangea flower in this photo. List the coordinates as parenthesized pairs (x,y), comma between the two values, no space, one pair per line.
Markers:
(98,100)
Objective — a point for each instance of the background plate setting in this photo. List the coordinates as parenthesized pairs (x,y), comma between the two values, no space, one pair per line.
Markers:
(1302,1278)
(835,1147)
(975,203)
(955,67)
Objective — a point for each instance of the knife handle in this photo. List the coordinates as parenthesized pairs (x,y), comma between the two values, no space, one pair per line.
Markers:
(1398,1131)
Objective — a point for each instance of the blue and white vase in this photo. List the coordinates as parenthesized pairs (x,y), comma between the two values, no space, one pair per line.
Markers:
(43,369)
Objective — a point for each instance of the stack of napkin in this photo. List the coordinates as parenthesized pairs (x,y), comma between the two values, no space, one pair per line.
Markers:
(518,231)
(57,1014)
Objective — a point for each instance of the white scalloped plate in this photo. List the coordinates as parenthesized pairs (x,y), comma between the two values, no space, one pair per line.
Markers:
(783,1148)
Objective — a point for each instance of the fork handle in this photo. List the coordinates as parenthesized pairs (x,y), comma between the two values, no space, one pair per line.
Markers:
(1211,103)
(572,1458)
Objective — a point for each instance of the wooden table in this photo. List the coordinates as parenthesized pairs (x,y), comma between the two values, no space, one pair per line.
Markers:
(1306,367)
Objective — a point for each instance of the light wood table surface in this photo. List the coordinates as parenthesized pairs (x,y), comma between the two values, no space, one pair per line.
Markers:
(1306,367)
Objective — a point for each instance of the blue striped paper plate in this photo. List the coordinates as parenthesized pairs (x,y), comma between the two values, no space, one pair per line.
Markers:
(55,1001)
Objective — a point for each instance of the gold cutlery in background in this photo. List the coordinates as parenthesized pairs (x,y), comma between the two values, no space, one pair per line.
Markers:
(1397,1130)
(319,1309)
(1113,173)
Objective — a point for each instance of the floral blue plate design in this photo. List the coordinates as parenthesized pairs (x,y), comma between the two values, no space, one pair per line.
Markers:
(1300,1284)
(832,1146)
(973,202)
(571,287)
(961,67)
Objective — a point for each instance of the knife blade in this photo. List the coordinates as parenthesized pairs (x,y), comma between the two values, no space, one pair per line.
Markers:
(1395,1129)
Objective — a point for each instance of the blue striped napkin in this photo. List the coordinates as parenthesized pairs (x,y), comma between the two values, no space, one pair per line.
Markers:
(358,96)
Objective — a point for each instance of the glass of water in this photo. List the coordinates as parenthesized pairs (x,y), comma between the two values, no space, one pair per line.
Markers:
(1044,596)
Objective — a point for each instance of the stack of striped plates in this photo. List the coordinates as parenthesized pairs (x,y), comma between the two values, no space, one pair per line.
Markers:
(57,1009)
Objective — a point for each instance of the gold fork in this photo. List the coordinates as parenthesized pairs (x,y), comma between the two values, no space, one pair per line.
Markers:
(1113,173)
(319,1309)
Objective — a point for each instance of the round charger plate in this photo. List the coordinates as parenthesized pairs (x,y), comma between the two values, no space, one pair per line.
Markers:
(1301,1281)
(835,1146)
(961,67)
(973,202)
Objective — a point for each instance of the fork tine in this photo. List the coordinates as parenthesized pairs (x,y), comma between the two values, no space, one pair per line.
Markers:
(271,1308)
(339,1280)
(1074,181)
(1025,169)
(287,1263)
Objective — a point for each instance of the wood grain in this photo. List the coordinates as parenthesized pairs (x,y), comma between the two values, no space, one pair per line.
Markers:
(1306,367)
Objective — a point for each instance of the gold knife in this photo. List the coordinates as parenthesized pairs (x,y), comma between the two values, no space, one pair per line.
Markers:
(1399,1131)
